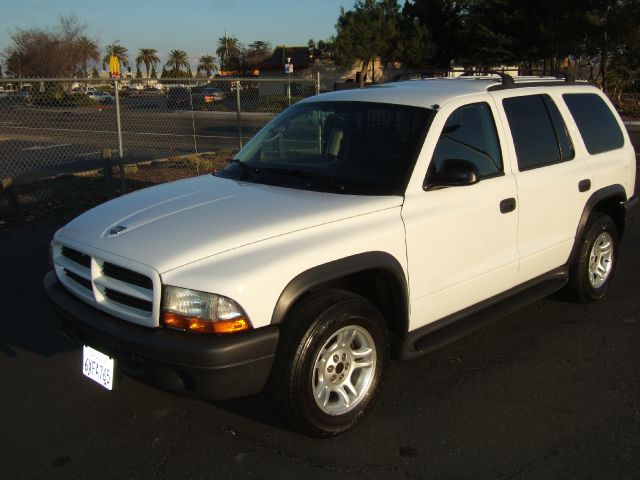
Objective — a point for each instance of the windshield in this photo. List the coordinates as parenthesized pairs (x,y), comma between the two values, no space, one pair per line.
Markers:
(342,147)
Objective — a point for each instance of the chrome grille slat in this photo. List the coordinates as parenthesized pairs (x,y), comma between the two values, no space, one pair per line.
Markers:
(76,256)
(125,288)
(126,275)
(80,280)
(128,300)
(73,267)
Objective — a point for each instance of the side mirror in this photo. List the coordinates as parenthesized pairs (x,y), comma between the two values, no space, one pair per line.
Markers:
(453,173)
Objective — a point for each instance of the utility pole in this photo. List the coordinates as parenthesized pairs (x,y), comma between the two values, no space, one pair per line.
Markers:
(226,47)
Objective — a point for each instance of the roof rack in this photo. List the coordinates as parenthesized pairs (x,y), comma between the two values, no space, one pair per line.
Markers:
(557,78)
(565,75)
(507,81)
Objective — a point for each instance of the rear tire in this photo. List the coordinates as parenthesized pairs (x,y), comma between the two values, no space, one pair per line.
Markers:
(332,352)
(593,268)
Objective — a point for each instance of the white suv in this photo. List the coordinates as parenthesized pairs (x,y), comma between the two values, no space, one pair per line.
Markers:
(356,226)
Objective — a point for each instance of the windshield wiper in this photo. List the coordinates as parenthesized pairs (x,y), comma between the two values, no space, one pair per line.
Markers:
(324,180)
(252,171)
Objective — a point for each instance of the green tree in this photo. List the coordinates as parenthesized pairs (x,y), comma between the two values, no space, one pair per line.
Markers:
(368,32)
(147,57)
(206,63)
(256,53)
(326,48)
(534,34)
(87,50)
(610,26)
(176,60)
(415,48)
(444,20)
(228,51)
(118,51)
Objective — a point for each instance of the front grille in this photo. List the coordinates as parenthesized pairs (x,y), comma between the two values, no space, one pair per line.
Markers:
(126,275)
(126,293)
(128,300)
(76,256)
(78,279)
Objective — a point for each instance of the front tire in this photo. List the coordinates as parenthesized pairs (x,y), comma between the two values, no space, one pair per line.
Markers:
(333,350)
(593,268)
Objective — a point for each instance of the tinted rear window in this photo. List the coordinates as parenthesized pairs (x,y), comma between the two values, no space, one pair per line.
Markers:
(533,131)
(598,127)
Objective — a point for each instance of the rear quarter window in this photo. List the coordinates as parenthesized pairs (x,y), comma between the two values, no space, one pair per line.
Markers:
(596,123)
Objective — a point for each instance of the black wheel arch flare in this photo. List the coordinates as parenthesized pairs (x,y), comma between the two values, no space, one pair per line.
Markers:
(345,267)
(609,200)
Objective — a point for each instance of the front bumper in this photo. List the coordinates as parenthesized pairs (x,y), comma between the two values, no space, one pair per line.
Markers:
(205,366)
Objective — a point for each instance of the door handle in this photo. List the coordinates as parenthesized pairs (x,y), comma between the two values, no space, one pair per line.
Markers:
(584,185)
(507,205)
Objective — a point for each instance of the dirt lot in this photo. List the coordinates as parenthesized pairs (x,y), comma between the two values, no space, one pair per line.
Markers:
(71,194)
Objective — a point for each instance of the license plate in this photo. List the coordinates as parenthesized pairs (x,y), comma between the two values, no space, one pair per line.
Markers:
(98,367)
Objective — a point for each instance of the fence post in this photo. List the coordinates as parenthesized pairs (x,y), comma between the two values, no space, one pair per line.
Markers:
(7,190)
(238,111)
(119,128)
(317,83)
(107,171)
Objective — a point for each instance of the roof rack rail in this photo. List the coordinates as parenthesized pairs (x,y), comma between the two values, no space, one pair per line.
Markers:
(566,75)
(418,74)
(507,80)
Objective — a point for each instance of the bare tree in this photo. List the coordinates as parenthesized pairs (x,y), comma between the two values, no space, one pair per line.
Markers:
(58,52)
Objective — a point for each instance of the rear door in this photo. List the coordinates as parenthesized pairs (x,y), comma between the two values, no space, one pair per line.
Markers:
(554,181)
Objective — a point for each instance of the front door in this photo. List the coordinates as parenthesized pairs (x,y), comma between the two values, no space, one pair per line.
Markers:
(462,240)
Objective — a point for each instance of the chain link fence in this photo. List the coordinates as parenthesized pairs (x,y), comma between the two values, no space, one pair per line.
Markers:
(51,126)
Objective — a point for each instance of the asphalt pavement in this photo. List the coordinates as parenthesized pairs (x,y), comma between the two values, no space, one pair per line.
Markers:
(552,391)
(40,141)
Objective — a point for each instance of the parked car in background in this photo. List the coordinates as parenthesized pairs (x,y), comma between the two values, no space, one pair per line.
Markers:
(200,97)
(178,97)
(15,97)
(206,96)
(83,90)
(130,91)
(150,91)
(101,97)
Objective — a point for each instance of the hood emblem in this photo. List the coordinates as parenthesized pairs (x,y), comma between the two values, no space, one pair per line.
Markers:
(117,230)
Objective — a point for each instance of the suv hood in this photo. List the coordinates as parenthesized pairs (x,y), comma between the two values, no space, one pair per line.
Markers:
(173,224)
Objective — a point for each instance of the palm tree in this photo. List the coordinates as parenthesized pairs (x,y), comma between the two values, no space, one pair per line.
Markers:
(228,49)
(176,60)
(87,50)
(149,58)
(117,51)
(206,63)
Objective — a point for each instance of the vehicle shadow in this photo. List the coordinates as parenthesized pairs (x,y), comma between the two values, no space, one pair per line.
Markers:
(257,408)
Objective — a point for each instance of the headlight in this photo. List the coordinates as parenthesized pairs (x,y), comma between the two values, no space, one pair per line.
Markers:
(196,311)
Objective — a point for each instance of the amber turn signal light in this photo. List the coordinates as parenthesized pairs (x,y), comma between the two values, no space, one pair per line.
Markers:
(193,324)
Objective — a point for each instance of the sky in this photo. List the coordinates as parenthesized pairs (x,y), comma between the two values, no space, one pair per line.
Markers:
(190,25)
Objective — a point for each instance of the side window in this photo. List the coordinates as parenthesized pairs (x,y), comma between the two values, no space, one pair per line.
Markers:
(597,125)
(470,134)
(539,134)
